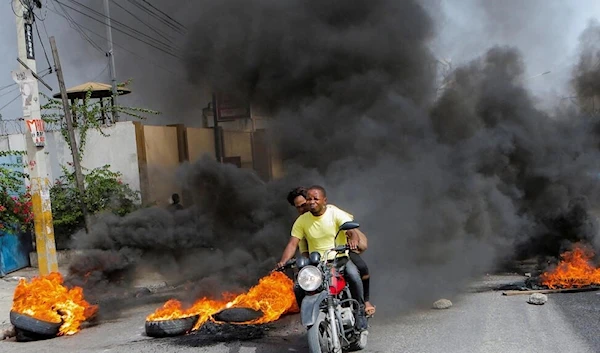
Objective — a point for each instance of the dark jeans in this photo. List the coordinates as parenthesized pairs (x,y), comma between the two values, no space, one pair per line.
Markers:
(352,276)
(364,271)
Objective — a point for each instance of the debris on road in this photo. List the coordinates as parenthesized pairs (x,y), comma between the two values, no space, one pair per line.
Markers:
(442,304)
(549,291)
(7,333)
(13,278)
(537,299)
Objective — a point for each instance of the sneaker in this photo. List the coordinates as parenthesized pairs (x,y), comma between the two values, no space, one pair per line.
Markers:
(361,321)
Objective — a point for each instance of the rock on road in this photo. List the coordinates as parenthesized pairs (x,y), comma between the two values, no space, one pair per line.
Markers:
(485,322)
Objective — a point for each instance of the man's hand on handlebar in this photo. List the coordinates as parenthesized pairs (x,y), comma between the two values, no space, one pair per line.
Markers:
(282,265)
(279,266)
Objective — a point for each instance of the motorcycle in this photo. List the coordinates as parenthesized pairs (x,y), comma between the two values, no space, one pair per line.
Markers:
(328,310)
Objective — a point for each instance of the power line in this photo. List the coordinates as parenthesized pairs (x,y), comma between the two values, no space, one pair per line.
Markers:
(75,26)
(42,43)
(7,86)
(125,49)
(102,16)
(171,25)
(128,34)
(169,17)
(141,21)
(45,72)
(9,92)
(12,100)
(101,72)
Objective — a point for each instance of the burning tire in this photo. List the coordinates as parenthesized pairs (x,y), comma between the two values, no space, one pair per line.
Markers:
(35,326)
(237,315)
(167,328)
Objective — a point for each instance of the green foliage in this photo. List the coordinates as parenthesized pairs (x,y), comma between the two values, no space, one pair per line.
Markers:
(104,191)
(88,113)
(15,201)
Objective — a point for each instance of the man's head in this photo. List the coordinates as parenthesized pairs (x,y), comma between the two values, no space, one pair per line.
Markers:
(316,197)
(297,198)
(175,198)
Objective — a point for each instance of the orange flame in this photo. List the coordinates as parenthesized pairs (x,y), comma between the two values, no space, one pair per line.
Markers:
(46,299)
(574,270)
(273,295)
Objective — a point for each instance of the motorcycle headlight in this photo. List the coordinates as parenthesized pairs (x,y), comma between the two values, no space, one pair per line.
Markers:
(310,278)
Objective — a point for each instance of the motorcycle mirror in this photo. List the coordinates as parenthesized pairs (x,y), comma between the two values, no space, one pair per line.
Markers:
(314,257)
(302,261)
(349,225)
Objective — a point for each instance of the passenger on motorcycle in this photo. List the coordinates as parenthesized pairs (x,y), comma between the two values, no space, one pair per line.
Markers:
(319,227)
(297,198)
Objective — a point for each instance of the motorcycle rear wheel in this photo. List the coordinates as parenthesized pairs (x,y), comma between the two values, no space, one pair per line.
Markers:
(319,336)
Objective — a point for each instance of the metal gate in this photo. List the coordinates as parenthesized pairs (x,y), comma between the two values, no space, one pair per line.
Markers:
(14,251)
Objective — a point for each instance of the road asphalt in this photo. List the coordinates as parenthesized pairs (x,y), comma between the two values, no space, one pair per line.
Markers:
(482,321)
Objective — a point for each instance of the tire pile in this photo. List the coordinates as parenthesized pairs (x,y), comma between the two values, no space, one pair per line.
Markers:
(177,327)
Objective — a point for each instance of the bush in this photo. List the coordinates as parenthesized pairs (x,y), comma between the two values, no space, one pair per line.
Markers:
(104,190)
(15,200)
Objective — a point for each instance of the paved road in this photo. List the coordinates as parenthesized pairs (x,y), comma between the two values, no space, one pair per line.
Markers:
(485,322)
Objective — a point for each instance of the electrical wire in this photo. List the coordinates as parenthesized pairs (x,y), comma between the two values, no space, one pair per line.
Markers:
(41,73)
(101,72)
(119,30)
(42,43)
(9,92)
(160,33)
(12,100)
(171,25)
(169,17)
(126,49)
(103,17)
(76,26)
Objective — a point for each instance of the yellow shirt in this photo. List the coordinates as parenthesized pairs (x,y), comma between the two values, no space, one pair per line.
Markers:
(320,231)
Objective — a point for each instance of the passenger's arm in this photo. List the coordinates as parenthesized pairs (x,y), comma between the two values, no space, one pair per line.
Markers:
(355,235)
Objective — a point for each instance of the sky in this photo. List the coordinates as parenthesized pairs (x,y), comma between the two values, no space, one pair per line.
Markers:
(545,31)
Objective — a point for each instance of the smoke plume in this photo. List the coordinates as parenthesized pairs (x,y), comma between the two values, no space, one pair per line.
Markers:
(445,182)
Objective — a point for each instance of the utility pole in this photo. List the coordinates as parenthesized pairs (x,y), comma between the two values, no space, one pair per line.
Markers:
(36,155)
(217,129)
(72,141)
(111,61)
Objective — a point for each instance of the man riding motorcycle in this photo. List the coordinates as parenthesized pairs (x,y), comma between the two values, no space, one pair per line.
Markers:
(297,198)
(319,227)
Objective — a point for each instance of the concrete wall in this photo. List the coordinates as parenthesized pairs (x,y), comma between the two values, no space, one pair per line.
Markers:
(162,160)
(4,146)
(117,149)
(238,144)
(200,141)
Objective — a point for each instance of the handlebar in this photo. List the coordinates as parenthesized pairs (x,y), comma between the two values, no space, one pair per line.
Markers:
(289,264)
(341,248)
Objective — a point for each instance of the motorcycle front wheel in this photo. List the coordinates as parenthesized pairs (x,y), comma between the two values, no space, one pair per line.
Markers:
(319,336)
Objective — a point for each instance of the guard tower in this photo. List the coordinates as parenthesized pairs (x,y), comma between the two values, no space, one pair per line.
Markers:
(100,91)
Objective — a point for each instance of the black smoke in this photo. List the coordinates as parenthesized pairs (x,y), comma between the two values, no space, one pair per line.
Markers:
(446,182)
(227,237)
(586,74)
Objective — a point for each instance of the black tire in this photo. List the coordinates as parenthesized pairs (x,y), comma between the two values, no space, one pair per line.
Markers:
(167,328)
(237,315)
(319,336)
(33,325)
(26,336)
